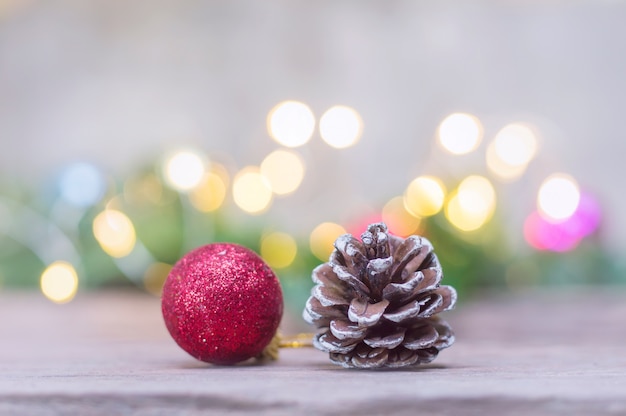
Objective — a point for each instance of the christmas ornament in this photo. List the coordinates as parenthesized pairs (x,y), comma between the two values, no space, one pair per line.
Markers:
(375,301)
(222,304)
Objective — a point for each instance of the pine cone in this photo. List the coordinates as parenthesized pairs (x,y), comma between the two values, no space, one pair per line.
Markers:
(374,301)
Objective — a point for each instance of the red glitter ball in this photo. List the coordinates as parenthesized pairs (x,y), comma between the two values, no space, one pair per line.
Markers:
(222,303)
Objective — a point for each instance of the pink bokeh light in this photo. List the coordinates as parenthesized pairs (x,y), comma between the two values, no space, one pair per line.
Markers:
(565,235)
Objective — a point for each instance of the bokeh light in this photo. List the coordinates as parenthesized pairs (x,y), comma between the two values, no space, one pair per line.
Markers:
(155,276)
(545,234)
(278,249)
(501,169)
(473,203)
(558,197)
(323,237)
(509,154)
(460,133)
(82,184)
(291,123)
(184,170)
(251,191)
(399,221)
(284,170)
(515,144)
(424,196)
(588,215)
(341,127)
(477,194)
(115,233)
(461,219)
(59,282)
(210,193)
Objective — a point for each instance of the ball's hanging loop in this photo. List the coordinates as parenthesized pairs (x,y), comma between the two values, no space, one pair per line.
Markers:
(271,352)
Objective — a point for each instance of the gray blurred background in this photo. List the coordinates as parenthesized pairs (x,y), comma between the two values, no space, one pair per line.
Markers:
(118,83)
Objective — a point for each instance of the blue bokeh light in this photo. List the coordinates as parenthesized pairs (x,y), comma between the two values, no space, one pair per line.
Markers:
(82,184)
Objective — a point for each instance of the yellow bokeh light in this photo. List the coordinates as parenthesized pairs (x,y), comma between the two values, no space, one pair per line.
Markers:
(251,191)
(472,205)
(476,194)
(323,237)
(461,219)
(341,127)
(558,197)
(399,221)
(278,249)
(184,170)
(498,167)
(59,282)
(284,170)
(291,123)
(515,145)
(155,276)
(209,195)
(424,196)
(114,232)
(460,133)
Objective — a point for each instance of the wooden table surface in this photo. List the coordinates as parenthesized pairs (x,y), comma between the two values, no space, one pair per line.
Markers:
(106,353)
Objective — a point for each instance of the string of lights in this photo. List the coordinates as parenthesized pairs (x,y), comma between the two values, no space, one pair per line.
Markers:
(137,227)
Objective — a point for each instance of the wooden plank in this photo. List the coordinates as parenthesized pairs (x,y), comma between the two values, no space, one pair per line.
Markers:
(109,353)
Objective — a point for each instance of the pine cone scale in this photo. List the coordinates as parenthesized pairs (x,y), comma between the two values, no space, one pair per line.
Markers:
(371,362)
(446,336)
(369,356)
(366,314)
(404,253)
(432,278)
(319,315)
(448,294)
(348,247)
(325,276)
(402,292)
(427,355)
(328,296)
(375,241)
(420,283)
(437,300)
(406,312)
(340,359)
(374,301)
(422,337)
(343,330)
(344,275)
(364,352)
(390,341)
(330,343)
(430,305)
(318,309)
(378,277)
(402,359)
(423,260)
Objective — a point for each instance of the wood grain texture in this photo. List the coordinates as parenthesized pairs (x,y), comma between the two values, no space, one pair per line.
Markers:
(109,353)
